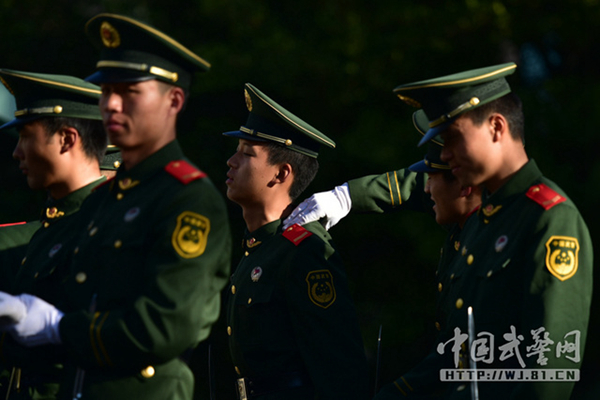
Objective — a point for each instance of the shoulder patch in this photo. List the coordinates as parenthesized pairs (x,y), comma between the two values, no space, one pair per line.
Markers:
(544,196)
(296,234)
(562,256)
(191,234)
(320,288)
(184,171)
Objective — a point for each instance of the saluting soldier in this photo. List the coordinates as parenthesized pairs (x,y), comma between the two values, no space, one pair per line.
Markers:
(525,259)
(293,331)
(152,251)
(61,143)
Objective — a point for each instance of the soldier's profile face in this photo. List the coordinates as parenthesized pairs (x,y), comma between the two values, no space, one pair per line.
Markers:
(446,194)
(38,154)
(250,175)
(135,114)
(468,149)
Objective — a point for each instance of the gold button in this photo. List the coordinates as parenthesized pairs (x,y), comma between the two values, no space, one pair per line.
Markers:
(229,330)
(489,273)
(232,289)
(76,250)
(57,109)
(440,287)
(464,250)
(118,244)
(250,300)
(470,259)
(288,142)
(80,277)
(237,371)
(452,276)
(119,196)
(46,224)
(23,260)
(148,372)
(459,303)
(36,275)
(246,254)
(461,388)
(117,164)
(93,231)
(438,326)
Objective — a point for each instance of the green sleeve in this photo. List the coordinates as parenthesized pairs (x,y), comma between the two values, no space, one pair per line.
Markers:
(394,190)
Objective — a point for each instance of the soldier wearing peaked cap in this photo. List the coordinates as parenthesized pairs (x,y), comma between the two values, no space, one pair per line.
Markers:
(525,259)
(143,284)
(293,331)
(61,143)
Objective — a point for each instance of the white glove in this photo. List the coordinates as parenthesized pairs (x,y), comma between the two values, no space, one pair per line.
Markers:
(326,207)
(12,310)
(40,325)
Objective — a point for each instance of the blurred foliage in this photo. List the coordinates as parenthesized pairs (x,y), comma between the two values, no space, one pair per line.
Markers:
(334,63)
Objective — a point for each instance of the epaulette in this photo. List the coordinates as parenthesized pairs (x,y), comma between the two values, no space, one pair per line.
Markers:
(12,224)
(544,196)
(103,184)
(184,171)
(296,234)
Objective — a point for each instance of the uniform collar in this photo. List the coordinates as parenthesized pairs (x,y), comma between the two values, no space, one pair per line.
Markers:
(127,179)
(491,205)
(253,240)
(54,209)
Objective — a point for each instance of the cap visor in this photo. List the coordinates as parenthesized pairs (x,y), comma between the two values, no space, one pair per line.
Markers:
(422,167)
(434,133)
(117,75)
(242,135)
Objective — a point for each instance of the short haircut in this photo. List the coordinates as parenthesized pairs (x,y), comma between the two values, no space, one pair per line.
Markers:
(304,167)
(91,131)
(510,106)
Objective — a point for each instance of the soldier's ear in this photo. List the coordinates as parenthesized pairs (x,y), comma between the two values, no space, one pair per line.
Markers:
(177,97)
(498,126)
(284,173)
(69,138)
(466,191)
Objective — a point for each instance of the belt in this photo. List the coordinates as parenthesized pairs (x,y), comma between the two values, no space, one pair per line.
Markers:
(250,388)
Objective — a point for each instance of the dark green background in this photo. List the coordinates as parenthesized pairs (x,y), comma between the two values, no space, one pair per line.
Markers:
(334,63)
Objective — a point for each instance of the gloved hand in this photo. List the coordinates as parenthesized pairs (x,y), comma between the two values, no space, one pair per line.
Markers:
(327,207)
(40,324)
(12,310)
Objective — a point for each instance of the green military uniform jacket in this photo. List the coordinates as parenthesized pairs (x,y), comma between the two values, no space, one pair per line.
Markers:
(525,267)
(41,271)
(150,258)
(289,312)
(524,260)
(13,245)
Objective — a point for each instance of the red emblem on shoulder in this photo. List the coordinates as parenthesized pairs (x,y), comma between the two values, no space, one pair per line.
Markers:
(184,171)
(544,196)
(296,234)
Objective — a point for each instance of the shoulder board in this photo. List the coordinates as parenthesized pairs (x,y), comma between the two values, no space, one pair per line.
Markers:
(296,234)
(103,184)
(13,224)
(184,171)
(544,196)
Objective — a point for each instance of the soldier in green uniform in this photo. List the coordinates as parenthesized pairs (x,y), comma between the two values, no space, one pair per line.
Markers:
(398,190)
(293,331)
(525,260)
(61,143)
(152,251)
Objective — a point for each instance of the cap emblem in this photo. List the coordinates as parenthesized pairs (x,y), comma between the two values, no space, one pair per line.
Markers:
(110,36)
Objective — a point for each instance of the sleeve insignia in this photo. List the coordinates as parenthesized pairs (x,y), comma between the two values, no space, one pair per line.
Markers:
(184,171)
(544,196)
(320,288)
(191,234)
(296,234)
(561,256)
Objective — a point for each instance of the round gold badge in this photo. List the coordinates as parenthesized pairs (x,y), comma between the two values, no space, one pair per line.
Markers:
(110,36)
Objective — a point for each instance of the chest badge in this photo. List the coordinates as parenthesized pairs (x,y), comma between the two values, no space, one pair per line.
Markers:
(131,214)
(256,274)
(55,249)
(501,243)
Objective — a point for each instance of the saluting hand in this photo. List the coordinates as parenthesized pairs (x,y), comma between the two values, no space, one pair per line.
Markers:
(326,207)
